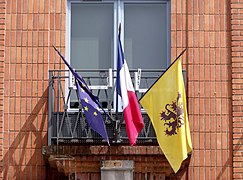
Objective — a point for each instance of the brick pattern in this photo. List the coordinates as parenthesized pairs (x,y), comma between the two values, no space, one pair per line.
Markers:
(203,27)
(237,62)
(85,161)
(2,57)
(32,27)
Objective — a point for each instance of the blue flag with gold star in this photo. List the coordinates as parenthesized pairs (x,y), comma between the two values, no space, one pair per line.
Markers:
(91,111)
(89,102)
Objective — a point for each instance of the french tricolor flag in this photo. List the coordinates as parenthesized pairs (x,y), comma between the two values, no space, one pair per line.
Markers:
(125,89)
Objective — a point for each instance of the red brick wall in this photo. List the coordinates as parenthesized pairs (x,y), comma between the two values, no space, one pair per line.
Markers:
(85,161)
(203,27)
(237,80)
(2,66)
(32,26)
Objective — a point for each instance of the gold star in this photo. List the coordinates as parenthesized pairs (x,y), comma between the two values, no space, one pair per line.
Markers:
(82,89)
(86,108)
(95,113)
(86,100)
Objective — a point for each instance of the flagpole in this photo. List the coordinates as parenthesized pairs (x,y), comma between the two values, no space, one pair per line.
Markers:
(119,31)
(117,137)
(180,55)
(164,72)
(95,120)
(85,89)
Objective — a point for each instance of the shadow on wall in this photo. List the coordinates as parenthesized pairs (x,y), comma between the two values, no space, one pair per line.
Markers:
(20,168)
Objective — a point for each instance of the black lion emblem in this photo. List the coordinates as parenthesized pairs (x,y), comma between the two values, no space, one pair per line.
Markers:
(173,116)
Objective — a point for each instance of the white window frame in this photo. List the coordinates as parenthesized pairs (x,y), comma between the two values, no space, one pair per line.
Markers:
(118,19)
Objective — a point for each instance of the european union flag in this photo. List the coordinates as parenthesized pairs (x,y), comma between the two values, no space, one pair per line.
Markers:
(90,103)
(91,111)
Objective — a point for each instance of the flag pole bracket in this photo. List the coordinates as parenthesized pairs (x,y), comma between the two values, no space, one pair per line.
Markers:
(117,133)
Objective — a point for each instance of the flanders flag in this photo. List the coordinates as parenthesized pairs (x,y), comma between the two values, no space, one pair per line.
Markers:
(165,103)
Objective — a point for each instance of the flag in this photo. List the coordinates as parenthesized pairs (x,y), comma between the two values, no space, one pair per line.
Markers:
(79,78)
(124,87)
(89,102)
(165,104)
(92,113)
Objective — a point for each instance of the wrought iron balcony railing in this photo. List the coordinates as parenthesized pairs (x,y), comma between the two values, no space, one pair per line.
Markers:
(66,120)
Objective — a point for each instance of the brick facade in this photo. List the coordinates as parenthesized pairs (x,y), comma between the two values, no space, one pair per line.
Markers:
(204,28)
(211,32)
(237,60)
(2,57)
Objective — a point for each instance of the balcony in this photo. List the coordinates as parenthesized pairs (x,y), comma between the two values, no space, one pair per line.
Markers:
(66,120)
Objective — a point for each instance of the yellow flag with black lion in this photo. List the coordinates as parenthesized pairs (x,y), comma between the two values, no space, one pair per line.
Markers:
(165,104)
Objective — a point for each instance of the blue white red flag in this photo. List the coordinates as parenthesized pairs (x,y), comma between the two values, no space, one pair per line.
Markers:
(125,89)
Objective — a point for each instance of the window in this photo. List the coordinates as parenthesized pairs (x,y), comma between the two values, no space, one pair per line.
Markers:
(145,35)
(92,28)
(91,35)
